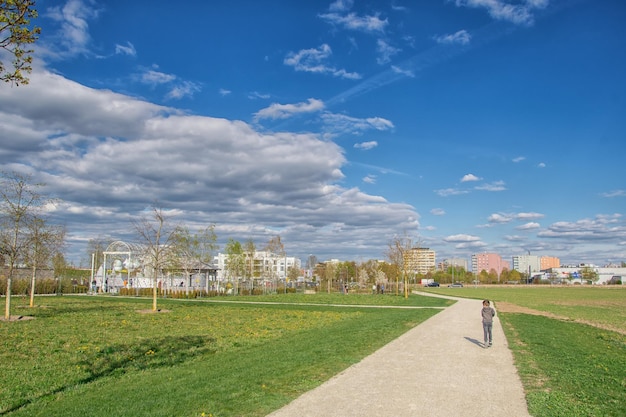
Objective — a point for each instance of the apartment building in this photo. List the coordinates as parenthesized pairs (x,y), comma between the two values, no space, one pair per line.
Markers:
(487,262)
(420,260)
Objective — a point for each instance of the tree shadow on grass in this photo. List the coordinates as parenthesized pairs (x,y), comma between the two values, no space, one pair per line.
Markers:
(141,354)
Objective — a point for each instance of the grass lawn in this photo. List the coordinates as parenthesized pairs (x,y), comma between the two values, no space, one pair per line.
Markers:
(99,356)
(569,345)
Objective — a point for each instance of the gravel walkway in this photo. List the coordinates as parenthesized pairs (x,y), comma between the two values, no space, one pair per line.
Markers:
(439,368)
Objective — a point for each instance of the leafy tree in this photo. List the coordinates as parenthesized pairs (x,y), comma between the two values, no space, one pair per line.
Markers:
(156,234)
(193,251)
(235,261)
(15,34)
(589,274)
(20,203)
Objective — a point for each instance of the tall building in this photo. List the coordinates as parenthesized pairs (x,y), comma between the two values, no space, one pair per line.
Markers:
(487,262)
(527,263)
(548,262)
(420,260)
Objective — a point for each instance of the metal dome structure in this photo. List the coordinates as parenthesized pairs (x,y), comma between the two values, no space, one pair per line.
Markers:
(119,256)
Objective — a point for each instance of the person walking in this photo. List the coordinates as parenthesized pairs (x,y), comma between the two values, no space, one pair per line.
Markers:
(487,314)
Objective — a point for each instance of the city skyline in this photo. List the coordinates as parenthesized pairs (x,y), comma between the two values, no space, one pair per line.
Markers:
(469,126)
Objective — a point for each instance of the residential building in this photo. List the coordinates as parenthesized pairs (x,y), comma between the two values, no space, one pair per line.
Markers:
(420,260)
(527,264)
(487,262)
(548,262)
(264,265)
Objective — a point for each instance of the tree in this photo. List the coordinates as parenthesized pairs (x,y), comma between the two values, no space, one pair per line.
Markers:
(95,251)
(156,234)
(249,249)
(20,203)
(15,34)
(235,261)
(45,241)
(397,253)
(194,251)
(277,250)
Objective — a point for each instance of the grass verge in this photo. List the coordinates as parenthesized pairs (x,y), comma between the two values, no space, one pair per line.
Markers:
(98,356)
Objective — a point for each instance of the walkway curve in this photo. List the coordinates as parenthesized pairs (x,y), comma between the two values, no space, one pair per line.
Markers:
(437,369)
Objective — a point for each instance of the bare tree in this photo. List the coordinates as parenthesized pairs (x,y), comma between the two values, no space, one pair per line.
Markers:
(45,241)
(20,203)
(157,236)
(397,253)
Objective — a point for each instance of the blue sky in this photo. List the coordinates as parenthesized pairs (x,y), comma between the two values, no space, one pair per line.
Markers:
(470,125)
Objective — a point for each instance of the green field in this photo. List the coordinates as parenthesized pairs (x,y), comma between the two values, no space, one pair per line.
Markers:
(103,356)
(99,356)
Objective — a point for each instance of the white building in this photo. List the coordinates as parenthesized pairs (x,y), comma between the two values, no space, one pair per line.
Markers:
(264,264)
(574,274)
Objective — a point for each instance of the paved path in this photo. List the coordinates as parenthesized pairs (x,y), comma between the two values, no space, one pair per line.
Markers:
(439,368)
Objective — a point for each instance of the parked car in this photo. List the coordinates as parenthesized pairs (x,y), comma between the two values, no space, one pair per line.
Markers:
(455,285)
(432,284)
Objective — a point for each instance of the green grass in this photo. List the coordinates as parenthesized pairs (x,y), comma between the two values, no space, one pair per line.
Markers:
(571,366)
(98,356)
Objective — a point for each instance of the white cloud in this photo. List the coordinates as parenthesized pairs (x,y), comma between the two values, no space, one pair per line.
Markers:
(461,238)
(184,89)
(406,72)
(438,212)
(256,95)
(529,226)
(336,124)
(351,21)
(529,216)
(369,179)
(341,5)
(519,13)
(153,77)
(494,186)
(107,156)
(500,218)
(73,36)
(313,60)
(461,37)
(608,228)
(519,159)
(385,52)
(366,145)
(128,49)
(446,192)
(469,177)
(614,193)
(284,111)
(541,165)
(224,92)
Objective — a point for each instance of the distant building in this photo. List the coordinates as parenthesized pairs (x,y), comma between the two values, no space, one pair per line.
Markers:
(457,262)
(527,264)
(548,262)
(487,262)
(265,265)
(573,275)
(420,260)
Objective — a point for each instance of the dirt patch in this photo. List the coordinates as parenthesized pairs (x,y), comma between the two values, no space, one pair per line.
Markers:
(17,318)
(150,311)
(505,307)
